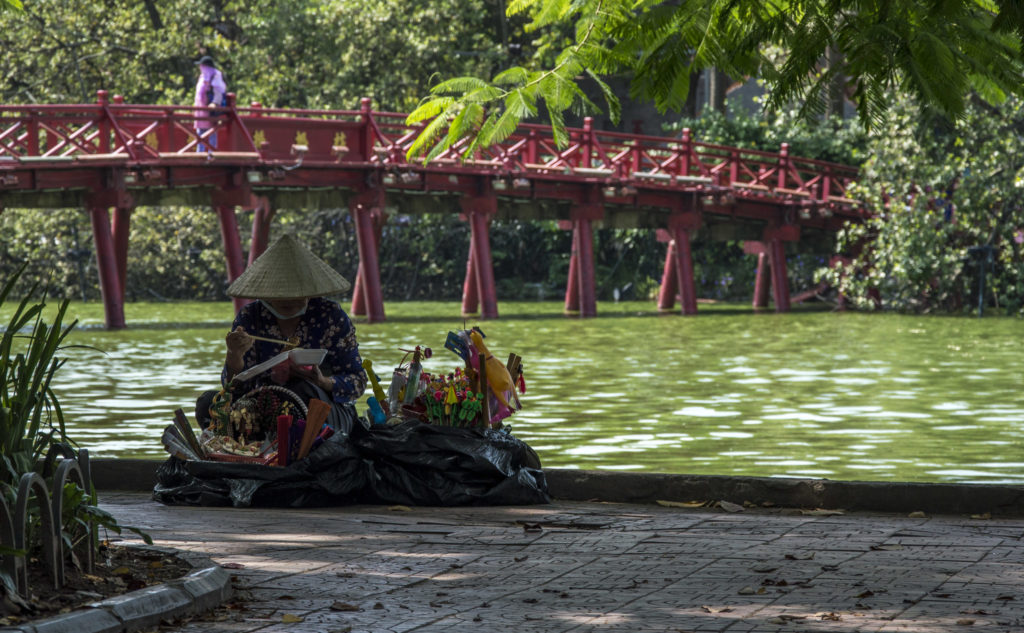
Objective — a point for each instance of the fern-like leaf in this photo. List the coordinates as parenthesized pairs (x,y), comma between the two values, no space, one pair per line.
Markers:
(614,107)
(429,109)
(427,136)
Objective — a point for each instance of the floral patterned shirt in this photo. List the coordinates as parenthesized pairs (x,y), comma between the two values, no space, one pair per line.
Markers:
(324,326)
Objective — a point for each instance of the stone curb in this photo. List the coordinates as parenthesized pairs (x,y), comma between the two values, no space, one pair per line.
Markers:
(139,475)
(197,592)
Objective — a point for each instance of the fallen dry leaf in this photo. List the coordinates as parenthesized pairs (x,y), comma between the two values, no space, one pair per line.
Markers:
(400,508)
(680,504)
(984,517)
(289,618)
(344,606)
(801,556)
(716,609)
(729,506)
(821,512)
(965,622)
(917,515)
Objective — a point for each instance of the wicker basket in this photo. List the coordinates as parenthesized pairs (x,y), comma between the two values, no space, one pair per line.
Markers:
(293,397)
(283,393)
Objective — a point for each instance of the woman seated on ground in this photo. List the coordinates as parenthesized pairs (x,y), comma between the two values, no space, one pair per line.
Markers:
(291,284)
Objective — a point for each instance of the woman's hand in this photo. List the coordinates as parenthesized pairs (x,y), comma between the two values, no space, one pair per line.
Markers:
(313,374)
(239,342)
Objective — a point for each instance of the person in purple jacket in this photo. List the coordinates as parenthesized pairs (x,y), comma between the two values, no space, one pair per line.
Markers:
(210,93)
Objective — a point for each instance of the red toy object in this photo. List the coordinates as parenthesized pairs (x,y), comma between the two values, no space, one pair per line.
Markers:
(284,425)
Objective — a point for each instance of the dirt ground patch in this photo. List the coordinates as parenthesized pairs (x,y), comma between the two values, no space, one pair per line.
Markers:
(117,570)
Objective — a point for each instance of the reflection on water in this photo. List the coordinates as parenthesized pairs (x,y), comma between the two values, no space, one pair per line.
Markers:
(812,394)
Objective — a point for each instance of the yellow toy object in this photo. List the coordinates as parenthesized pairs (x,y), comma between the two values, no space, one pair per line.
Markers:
(378,391)
(498,377)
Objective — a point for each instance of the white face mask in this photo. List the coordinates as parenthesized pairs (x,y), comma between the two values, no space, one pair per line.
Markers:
(283,317)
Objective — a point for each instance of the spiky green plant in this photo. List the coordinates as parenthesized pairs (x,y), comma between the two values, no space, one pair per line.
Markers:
(31,419)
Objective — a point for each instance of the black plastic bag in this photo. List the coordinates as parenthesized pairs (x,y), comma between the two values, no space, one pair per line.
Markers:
(410,464)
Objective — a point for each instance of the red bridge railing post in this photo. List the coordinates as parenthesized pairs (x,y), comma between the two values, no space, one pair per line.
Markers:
(103,125)
(685,150)
(783,174)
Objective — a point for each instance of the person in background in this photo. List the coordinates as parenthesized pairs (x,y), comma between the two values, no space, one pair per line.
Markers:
(210,91)
(291,284)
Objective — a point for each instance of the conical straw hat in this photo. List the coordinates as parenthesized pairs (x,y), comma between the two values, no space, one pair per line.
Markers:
(288,270)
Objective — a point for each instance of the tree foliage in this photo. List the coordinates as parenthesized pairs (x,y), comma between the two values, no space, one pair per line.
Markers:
(938,52)
(283,53)
(941,192)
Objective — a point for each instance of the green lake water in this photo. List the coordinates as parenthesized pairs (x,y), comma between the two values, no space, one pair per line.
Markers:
(847,396)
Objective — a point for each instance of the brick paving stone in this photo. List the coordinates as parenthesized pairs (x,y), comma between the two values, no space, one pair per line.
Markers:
(589,567)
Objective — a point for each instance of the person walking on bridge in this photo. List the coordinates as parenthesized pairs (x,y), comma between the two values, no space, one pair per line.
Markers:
(210,93)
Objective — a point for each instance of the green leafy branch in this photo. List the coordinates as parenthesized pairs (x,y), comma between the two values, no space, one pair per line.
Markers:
(461,104)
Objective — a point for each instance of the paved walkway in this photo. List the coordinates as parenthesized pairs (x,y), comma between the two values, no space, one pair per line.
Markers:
(585,567)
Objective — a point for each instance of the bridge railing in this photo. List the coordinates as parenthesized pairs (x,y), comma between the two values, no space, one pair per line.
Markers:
(113,131)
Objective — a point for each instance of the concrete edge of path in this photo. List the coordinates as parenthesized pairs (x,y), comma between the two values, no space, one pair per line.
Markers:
(205,587)
(139,475)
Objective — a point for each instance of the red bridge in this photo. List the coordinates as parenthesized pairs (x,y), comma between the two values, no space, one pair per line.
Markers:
(112,155)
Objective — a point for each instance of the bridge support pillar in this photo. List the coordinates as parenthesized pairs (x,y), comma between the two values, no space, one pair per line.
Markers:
(111,250)
(580,288)
(232,247)
(678,271)
(120,232)
(572,286)
(478,210)
(367,297)
(470,291)
(669,283)
(262,215)
(106,262)
(359,303)
(776,238)
(762,276)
